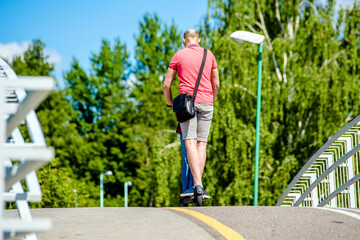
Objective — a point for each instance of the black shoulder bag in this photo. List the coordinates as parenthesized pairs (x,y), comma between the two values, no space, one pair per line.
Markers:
(183,104)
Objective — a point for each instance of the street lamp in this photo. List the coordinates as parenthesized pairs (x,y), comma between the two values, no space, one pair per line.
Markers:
(240,37)
(102,186)
(76,203)
(126,184)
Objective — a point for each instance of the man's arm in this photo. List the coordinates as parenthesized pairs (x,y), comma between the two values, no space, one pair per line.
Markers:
(215,82)
(169,78)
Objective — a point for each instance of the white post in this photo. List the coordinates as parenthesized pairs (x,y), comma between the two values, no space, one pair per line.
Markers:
(126,184)
(101,190)
(2,157)
(107,173)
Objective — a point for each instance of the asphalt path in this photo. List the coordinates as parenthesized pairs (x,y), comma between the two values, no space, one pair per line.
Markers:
(286,222)
(171,223)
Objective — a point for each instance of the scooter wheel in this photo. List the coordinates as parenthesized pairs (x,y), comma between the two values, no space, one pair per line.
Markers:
(198,201)
(198,195)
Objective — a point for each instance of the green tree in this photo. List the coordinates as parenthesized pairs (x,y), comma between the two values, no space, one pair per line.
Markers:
(102,120)
(150,144)
(56,178)
(33,62)
(102,115)
(306,96)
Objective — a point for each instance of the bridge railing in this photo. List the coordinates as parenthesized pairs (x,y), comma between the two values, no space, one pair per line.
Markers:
(331,176)
(19,96)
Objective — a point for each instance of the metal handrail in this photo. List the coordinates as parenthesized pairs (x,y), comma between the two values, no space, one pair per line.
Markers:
(325,173)
(339,190)
(315,157)
(16,105)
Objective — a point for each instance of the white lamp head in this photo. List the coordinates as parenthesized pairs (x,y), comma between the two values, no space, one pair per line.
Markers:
(241,36)
(108,173)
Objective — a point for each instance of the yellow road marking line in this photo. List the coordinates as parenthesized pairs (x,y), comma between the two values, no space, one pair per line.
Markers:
(224,230)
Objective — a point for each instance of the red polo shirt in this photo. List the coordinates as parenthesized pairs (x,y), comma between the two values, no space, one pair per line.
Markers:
(187,62)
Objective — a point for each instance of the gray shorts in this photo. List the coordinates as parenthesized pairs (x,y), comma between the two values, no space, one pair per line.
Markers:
(199,126)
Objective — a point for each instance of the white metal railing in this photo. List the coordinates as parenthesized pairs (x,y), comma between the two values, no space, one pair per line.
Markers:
(331,176)
(19,96)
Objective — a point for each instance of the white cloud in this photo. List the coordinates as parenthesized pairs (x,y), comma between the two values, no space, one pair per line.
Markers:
(12,49)
(54,57)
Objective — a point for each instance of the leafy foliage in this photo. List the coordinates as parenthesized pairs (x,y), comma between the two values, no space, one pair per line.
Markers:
(33,62)
(307,97)
(112,116)
(56,179)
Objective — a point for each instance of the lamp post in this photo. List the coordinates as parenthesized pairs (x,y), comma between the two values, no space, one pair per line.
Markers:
(102,186)
(76,203)
(239,37)
(126,184)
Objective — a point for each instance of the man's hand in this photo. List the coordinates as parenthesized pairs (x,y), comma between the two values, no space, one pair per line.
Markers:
(215,82)
(169,78)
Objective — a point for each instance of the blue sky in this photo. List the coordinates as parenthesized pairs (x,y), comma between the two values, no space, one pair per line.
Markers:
(75,28)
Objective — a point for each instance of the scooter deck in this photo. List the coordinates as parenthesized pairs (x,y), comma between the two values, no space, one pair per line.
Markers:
(185,201)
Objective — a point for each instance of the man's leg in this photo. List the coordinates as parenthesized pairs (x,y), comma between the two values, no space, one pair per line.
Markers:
(194,160)
(201,148)
(196,132)
(189,132)
(204,117)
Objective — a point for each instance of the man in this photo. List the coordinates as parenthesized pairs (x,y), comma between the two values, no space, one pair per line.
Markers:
(195,131)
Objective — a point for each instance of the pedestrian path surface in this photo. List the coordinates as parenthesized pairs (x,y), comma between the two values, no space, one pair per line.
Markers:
(199,223)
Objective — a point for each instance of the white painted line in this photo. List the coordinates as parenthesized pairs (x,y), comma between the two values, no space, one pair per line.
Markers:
(351,209)
(341,211)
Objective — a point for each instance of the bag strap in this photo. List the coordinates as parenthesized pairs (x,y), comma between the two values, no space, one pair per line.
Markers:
(200,74)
